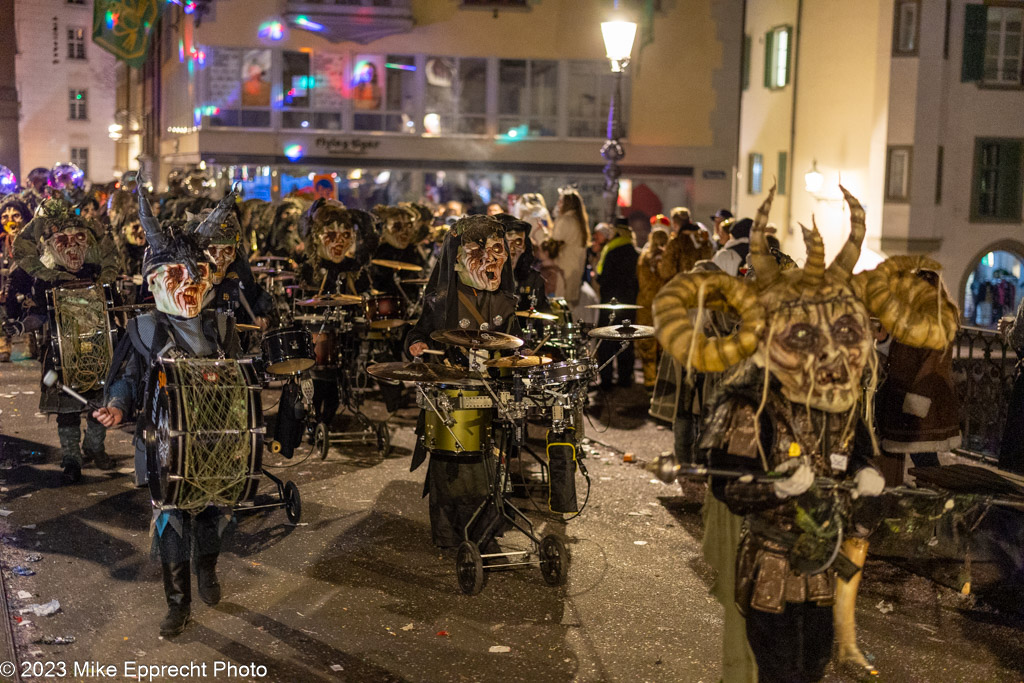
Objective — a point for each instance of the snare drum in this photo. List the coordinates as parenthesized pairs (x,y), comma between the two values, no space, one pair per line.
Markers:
(472,428)
(205,439)
(288,351)
(560,373)
(384,311)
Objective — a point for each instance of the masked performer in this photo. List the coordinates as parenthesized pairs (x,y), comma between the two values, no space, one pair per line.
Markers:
(38,187)
(649,282)
(340,244)
(470,288)
(285,237)
(792,403)
(15,283)
(57,248)
(400,234)
(129,238)
(178,274)
(689,244)
(525,266)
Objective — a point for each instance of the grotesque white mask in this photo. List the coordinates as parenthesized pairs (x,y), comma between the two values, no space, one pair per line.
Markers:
(67,248)
(336,242)
(222,255)
(479,265)
(176,293)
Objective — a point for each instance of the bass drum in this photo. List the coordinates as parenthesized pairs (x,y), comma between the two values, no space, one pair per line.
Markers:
(384,311)
(204,444)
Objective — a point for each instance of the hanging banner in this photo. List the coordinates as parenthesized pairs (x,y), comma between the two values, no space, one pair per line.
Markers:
(122,28)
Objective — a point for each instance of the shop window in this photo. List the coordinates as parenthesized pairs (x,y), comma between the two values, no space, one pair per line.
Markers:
(993,51)
(994,288)
(755,173)
(996,186)
(384,93)
(590,89)
(777,52)
(76,43)
(238,86)
(897,174)
(456,96)
(527,97)
(905,28)
(80,158)
(78,109)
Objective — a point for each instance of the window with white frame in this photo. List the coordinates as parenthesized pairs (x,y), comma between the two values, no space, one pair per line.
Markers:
(1003,45)
(456,96)
(777,55)
(78,109)
(897,174)
(755,173)
(76,43)
(590,87)
(527,97)
(80,158)
(393,107)
(905,27)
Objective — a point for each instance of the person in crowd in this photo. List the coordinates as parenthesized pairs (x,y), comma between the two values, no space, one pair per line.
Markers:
(617,279)
(532,208)
(494,208)
(722,215)
(525,268)
(687,245)
(285,236)
(732,257)
(15,283)
(1011,448)
(567,245)
(37,187)
(649,282)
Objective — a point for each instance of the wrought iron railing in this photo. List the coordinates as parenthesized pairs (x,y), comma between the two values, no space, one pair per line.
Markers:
(983,369)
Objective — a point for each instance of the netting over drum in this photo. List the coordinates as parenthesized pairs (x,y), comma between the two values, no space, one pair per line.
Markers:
(84,336)
(217,439)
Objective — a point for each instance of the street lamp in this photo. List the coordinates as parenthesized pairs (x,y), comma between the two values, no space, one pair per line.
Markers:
(813,179)
(618,44)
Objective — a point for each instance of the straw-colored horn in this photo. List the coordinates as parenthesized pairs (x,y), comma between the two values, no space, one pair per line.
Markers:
(842,266)
(766,270)
(814,269)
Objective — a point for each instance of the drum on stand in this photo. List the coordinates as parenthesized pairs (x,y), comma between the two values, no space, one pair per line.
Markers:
(384,311)
(470,412)
(82,333)
(288,351)
(204,442)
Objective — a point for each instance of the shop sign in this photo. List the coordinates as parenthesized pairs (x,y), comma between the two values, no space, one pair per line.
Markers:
(346,146)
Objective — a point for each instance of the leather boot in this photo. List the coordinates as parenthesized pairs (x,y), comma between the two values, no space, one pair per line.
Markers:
(178,590)
(847,652)
(33,345)
(209,586)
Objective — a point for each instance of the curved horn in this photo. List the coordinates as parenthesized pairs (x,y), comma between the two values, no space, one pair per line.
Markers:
(842,266)
(907,305)
(814,269)
(766,270)
(675,331)
(156,238)
(211,224)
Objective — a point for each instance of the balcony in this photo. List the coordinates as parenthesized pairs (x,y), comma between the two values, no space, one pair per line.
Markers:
(360,21)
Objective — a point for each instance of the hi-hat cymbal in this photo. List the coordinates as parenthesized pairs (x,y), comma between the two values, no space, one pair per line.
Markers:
(517,361)
(478,339)
(418,371)
(614,305)
(332,300)
(396,265)
(537,315)
(134,307)
(623,332)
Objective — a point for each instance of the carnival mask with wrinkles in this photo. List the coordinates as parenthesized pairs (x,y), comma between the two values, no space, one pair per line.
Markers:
(516,245)
(479,265)
(398,232)
(134,233)
(337,241)
(67,248)
(176,293)
(222,255)
(12,221)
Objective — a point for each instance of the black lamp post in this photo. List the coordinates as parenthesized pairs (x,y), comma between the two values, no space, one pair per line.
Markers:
(618,42)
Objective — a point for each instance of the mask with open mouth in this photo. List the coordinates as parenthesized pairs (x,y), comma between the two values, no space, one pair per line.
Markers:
(222,255)
(11,221)
(516,245)
(479,265)
(175,293)
(134,234)
(336,242)
(67,248)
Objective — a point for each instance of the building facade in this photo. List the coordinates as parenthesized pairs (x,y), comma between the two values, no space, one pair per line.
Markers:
(914,105)
(66,87)
(475,101)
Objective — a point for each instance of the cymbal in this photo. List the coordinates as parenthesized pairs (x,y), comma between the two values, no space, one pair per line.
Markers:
(478,339)
(537,315)
(396,265)
(418,371)
(274,272)
(272,258)
(517,361)
(134,307)
(623,332)
(614,305)
(332,300)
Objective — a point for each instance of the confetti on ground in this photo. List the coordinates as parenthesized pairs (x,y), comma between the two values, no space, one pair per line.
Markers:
(407,627)
(500,648)
(337,667)
(639,542)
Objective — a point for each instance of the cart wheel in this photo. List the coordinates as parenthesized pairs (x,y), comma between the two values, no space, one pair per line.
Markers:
(384,439)
(292,502)
(554,561)
(469,567)
(322,440)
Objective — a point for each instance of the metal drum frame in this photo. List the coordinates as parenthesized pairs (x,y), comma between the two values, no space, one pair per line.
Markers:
(107,334)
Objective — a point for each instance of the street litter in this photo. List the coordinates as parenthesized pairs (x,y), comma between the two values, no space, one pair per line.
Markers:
(407,627)
(4,513)
(24,595)
(443,633)
(34,557)
(42,610)
(885,607)
(28,526)
(500,648)
(22,571)
(54,640)
(337,667)
(642,513)
(25,622)
(639,542)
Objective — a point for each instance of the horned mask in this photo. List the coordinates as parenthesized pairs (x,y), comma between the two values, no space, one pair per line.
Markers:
(809,327)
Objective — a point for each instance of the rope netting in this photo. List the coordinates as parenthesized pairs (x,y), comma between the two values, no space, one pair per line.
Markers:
(84,331)
(217,440)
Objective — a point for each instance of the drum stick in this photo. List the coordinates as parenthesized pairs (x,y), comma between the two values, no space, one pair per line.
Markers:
(323,283)
(543,341)
(433,352)
(245,302)
(50,380)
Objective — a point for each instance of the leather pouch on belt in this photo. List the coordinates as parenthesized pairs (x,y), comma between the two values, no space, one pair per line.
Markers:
(770,585)
(821,587)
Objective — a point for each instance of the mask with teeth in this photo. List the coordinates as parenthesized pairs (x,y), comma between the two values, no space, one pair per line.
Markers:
(176,293)
(134,234)
(479,265)
(399,225)
(67,248)
(336,241)
(222,255)
(11,220)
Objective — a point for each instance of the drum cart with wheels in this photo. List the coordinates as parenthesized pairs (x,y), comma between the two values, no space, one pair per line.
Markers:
(287,497)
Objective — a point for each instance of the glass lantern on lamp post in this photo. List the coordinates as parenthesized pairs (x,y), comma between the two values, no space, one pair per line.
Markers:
(618,42)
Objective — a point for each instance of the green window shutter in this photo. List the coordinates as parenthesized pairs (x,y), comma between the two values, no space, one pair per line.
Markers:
(975,25)
(783,164)
(745,64)
(768,40)
(1010,179)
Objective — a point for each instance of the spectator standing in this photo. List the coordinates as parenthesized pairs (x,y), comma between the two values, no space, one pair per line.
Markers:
(687,245)
(649,282)
(616,277)
(567,246)
(735,238)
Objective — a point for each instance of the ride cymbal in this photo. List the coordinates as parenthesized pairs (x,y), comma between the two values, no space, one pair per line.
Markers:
(478,339)
(537,315)
(623,332)
(418,371)
(396,265)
